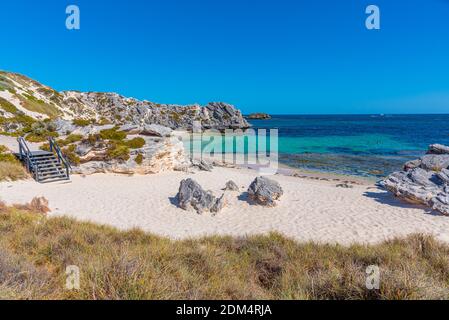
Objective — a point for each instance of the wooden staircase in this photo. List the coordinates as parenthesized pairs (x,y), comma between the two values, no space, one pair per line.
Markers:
(45,166)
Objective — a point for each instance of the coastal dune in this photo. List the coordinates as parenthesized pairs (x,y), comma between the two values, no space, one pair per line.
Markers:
(309,210)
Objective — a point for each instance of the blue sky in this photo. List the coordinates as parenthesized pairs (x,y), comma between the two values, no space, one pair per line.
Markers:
(284,56)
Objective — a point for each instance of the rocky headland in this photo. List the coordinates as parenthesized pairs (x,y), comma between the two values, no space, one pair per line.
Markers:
(107,132)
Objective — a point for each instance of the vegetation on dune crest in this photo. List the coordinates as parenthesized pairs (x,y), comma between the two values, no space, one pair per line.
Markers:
(31,103)
(8,106)
(135,265)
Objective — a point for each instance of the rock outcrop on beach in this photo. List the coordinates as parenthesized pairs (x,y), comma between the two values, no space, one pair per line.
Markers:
(424,181)
(192,196)
(265,191)
(109,149)
(23,100)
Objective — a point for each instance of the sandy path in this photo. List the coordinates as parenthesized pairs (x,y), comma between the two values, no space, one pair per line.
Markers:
(309,210)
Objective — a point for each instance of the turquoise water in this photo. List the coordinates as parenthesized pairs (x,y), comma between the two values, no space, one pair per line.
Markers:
(363,145)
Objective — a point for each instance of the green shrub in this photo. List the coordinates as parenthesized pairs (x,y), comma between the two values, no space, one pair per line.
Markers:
(5,155)
(72,138)
(72,157)
(83,122)
(139,159)
(135,143)
(112,134)
(175,116)
(45,147)
(40,131)
(103,121)
(33,137)
(118,152)
(41,136)
(93,138)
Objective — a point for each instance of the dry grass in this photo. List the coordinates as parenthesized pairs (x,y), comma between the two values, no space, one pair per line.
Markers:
(12,171)
(35,251)
(10,168)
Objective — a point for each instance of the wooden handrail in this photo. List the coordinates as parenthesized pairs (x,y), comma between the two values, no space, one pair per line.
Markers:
(24,151)
(54,147)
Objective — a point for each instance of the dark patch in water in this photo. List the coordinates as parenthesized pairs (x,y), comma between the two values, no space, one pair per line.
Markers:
(360,165)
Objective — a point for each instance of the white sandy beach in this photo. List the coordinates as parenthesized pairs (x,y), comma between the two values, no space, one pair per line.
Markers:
(309,210)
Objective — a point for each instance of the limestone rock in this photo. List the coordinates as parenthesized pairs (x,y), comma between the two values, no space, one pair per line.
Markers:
(231,186)
(64,127)
(438,149)
(435,162)
(412,164)
(219,204)
(156,130)
(192,195)
(157,155)
(114,109)
(202,164)
(265,191)
(441,203)
(444,176)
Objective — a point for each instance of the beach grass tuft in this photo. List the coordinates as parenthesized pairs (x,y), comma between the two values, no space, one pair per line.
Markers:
(10,168)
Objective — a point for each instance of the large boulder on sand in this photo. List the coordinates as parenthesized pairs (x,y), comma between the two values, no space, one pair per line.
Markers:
(265,191)
(424,181)
(192,195)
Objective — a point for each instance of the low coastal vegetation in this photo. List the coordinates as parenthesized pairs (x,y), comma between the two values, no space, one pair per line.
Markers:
(31,103)
(10,167)
(83,122)
(35,252)
(117,146)
(40,131)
